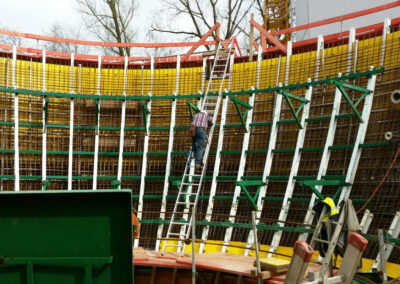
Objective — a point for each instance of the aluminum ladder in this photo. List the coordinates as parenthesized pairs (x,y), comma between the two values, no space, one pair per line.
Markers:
(333,238)
(181,220)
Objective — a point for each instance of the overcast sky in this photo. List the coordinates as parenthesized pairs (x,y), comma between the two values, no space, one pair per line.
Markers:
(36,16)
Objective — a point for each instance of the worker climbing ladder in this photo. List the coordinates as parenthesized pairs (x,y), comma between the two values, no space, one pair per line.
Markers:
(192,180)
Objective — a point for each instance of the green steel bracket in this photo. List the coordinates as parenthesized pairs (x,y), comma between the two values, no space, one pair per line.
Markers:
(146,113)
(341,85)
(245,183)
(116,184)
(242,116)
(192,108)
(295,113)
(45,184)
(312,183)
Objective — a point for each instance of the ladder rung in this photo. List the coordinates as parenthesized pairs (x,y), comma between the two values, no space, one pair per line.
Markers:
(178,223)
(190,183)
(185,203)
(322,241)
(176,234)
(167,245)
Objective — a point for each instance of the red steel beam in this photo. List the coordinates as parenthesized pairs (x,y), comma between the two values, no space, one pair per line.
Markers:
(99,43)
(237,46)
(202,40)
(339,18)
(269,36)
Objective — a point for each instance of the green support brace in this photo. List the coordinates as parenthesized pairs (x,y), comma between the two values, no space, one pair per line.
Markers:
(45,185)
(242,116)
(252,199)
(146,113)
(341,85)
(295,113)
(192,108)
(116,184)
(312,183)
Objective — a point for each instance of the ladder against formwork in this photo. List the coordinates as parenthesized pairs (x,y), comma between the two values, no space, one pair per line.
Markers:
(192,180)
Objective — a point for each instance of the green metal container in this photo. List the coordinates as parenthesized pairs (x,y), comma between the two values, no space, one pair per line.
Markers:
(60,237)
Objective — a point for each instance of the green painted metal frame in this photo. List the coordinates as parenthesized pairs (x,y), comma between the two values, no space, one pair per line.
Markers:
(242,116)
(341,85)
(312,183)
(350,76)
(295,113)
(252,199)
(192,107)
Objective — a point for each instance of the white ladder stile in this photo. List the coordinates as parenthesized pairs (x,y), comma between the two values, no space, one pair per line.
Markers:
(145,150)
(293,172)
(169,157)
(217,163)
(71,125)
(122,130)
(97,128)
(16,122)
(191,183)
(44,114)
(366,221)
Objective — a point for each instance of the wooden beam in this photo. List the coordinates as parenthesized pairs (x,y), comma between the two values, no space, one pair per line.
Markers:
(203,39)
(269,36)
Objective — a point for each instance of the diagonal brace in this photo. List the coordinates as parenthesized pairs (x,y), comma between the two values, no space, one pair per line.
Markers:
(252,199)
(192,108)
(313,183)
(295,113)
(242,116)
(353,106)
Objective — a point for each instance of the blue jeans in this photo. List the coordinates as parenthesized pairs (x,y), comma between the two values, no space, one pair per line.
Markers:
(198,144)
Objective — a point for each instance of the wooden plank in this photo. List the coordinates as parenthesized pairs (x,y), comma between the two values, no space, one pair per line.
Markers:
(274,264)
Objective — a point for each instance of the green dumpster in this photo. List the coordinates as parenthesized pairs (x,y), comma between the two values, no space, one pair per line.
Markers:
(66,237)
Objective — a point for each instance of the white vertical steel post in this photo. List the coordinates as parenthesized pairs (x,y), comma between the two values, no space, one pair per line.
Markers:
(320,47)
(217,164)
(122,130)
(16,121)
(97,127)
(272,140)
(325,157)
(71,125)
(361,133)
(44,115)
(386,31)
(366,221)
(394,231)
(352,38)
(169,156)
(242,163)
(145,150)
(293,172)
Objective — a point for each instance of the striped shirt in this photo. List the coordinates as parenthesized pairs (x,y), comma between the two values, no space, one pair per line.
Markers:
(202,119)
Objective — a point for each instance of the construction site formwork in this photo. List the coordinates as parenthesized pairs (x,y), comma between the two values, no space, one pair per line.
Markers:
(97,122)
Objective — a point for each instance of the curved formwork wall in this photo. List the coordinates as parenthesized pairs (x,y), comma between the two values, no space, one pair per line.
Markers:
(45,86)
